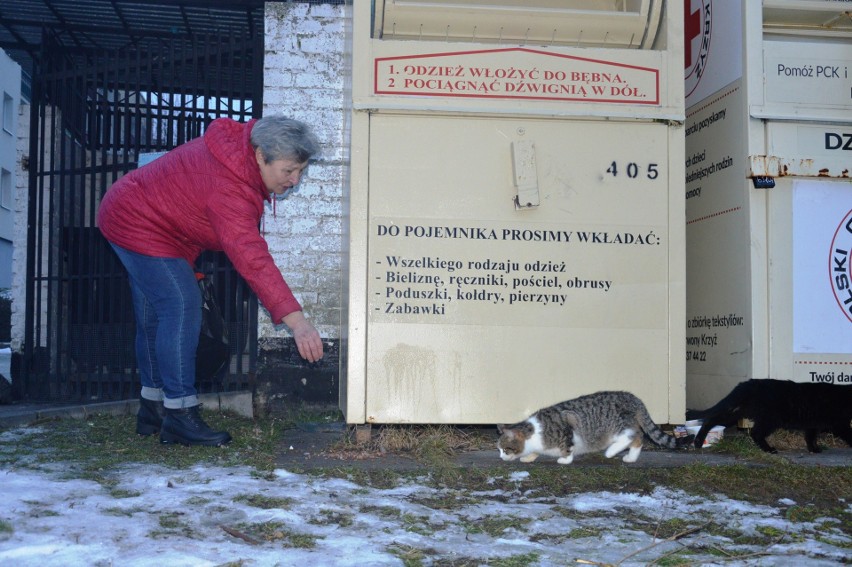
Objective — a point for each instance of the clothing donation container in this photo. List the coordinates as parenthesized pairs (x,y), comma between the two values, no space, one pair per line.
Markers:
(768,195)
(516,226)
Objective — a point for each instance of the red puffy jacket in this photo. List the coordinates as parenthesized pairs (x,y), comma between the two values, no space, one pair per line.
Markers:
(206,194)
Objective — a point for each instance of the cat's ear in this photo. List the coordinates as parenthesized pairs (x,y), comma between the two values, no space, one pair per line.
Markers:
(506,430)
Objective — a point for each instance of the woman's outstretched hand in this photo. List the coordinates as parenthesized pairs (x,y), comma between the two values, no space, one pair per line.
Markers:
(307,338)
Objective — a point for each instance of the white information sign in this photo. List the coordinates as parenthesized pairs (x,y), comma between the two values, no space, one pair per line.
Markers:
(822,281)
(808,74)
(516,73)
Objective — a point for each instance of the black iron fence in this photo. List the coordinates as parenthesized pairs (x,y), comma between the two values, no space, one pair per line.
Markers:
(93,114)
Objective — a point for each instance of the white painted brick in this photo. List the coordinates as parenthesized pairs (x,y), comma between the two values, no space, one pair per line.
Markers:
(326,12)
(305,226)
(279,78)
(19,249)
(331,225)
(304,79)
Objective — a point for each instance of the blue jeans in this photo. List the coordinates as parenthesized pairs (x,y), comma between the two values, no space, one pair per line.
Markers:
(167,305)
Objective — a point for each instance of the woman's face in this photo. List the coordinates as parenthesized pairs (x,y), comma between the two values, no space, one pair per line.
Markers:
(281,174)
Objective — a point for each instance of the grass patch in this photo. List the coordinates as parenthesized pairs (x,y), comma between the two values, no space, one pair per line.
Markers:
(93,448)
(278,532)
(739,442)
(292,415)
(417,524)
(580,533)
(265,502)
(116,511)
(386,512)
(409,555)
(95,445)
(102,442)
(446,501)
(332,517)
(681,558)
(6,527)
(496,526)
(819,490)
(197,501)
(379,478)
(122,493)
(817,486)
(577,533)
(172,525)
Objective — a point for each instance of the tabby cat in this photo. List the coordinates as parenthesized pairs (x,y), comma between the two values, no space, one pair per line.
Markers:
(611,421)
(777,404)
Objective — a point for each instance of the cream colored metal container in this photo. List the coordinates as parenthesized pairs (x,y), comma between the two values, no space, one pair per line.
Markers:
(516,209)
(768,195)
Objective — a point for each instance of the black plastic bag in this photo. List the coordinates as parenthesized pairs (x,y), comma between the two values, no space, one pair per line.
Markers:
(213,351)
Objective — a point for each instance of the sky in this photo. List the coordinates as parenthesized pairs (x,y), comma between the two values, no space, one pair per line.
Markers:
(150,515)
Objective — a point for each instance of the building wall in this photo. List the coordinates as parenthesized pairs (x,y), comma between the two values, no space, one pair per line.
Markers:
(20,204)
(10,94)
(303,79)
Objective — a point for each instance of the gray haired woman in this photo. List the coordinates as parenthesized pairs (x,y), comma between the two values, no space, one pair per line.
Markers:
(207,194)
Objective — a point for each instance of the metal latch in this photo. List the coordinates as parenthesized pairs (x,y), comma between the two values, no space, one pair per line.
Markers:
(526,178)
(763,182)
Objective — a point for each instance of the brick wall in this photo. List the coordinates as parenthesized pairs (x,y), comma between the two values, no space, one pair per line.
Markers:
(20,206)
(304,79)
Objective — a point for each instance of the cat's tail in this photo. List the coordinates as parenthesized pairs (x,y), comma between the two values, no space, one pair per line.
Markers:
(654,433)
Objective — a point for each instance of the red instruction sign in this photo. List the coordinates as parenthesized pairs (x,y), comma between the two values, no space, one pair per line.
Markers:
(516,73)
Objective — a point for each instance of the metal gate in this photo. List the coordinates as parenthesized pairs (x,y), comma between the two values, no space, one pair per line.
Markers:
(93,114)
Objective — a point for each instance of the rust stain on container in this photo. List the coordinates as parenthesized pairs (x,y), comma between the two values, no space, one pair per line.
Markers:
(775,166)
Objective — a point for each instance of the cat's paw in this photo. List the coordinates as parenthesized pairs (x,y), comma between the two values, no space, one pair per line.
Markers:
(529,458)
(566,460)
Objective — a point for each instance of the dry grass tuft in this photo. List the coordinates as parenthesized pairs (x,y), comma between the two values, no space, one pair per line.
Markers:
(411,438)
(429,443)
(785,440)
(739,441)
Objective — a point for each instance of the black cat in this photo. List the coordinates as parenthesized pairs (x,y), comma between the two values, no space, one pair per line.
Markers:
(774,404)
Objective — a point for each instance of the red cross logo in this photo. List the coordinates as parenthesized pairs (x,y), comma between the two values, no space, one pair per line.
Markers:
(691,30)
(696,41)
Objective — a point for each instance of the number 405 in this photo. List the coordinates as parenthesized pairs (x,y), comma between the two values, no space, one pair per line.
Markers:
(633,170)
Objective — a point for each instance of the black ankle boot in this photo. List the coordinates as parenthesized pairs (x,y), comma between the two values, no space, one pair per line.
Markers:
(186,427)
(149,418)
